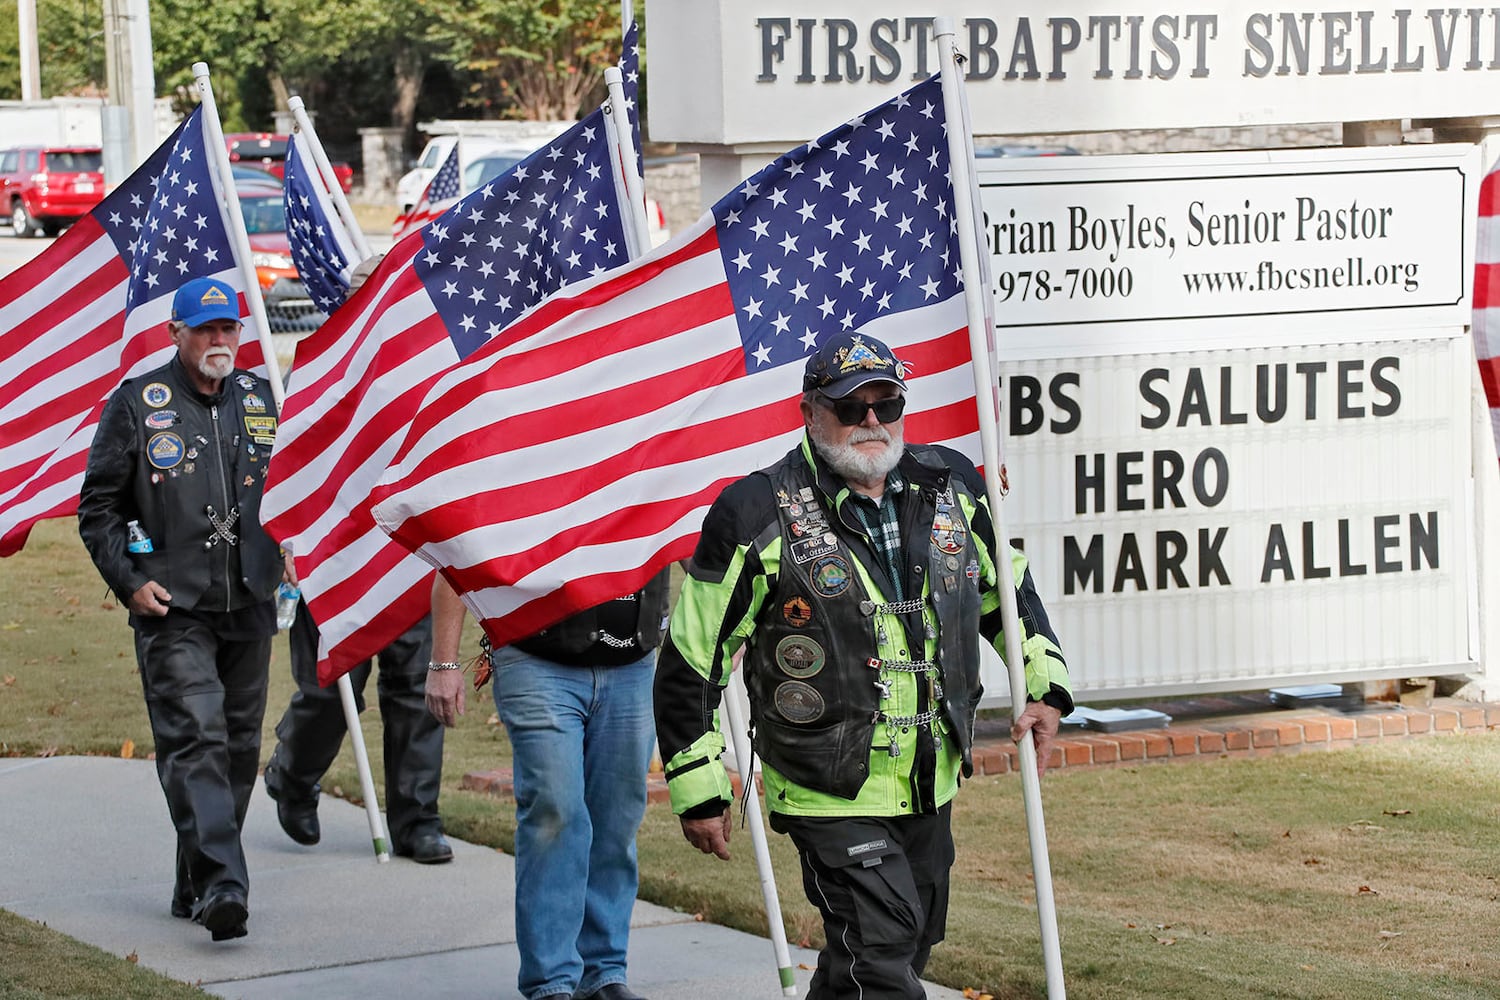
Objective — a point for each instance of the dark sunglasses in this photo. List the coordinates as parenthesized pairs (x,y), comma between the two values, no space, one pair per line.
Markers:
(851,411)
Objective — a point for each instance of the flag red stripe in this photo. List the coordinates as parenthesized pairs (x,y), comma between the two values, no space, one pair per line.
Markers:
(378,632)
(1489,374)
(390,421)
(635,521)
(1486,285)
(1489,195)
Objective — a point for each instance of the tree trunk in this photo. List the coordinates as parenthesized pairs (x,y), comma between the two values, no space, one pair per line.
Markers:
(279,89)
(409,67)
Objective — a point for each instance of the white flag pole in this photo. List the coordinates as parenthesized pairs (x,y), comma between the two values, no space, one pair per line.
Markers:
(330,179)
(739,734)
(219,172)
(222,176)
(622,150)
(986,392)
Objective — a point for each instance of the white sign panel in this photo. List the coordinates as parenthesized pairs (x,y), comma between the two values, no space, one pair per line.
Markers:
(1235,519)
(738,72)
(1131,253)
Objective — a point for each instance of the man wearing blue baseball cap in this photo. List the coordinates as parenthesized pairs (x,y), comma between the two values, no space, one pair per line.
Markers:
(859,574)
(170,513)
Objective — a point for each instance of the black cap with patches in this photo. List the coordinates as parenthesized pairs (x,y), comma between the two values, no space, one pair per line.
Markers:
(846,361)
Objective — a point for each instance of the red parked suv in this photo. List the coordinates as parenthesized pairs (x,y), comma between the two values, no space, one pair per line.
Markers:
(48,187)
(268,151)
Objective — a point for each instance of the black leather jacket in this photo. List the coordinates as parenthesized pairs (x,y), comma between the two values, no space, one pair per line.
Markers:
(166,455)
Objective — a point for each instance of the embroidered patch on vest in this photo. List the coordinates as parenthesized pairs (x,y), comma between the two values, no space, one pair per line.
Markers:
(164,450)
(799,656)
(829,575)
(797,612)
(798,702)
(160,420)
(156,395)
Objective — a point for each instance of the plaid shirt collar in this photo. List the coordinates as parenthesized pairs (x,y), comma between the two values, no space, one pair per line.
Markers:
(882,524)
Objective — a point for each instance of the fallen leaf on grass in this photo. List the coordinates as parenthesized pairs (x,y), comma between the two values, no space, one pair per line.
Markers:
(1387,935)
(972,994)
(127,749)
(1308,968)
(1365,890)
(1311,861)
(1164,940)
(1398,812)
(47,752)
(133,958)
(11,626)
(698,917)
(9,680)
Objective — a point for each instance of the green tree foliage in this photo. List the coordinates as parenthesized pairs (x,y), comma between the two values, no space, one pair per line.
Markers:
(541,59)
(354,62)
(70,39)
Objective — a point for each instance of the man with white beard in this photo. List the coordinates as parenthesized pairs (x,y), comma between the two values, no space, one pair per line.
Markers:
(859,574)
(170,513)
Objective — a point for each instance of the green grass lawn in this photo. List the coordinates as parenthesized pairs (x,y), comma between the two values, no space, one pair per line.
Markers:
(1348,875)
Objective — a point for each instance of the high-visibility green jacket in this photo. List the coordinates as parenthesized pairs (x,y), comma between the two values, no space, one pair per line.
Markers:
(859,705)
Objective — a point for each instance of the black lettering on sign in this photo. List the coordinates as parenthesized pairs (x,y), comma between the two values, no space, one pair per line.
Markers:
(1352,558)
(1023,396)
(1197,404)
(1210,480)
(1171,553)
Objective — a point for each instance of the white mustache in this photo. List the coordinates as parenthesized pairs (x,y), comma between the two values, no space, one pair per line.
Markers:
(862,434)
(218,352)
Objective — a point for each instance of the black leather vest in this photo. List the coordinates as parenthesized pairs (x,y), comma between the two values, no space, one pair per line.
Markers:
(812,668)
(571,641)
(195,455)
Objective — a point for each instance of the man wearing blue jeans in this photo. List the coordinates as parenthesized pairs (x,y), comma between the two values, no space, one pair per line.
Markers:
(575,700)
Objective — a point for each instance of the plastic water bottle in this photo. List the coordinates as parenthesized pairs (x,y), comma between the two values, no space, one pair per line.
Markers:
(136,539)
(287,596)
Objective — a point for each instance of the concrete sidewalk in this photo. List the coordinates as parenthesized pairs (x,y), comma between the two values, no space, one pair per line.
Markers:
(86,846)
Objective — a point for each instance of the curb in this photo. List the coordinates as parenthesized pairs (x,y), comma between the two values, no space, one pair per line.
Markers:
(1256,735)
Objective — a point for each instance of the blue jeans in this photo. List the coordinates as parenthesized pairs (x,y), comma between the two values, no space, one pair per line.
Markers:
(581,739)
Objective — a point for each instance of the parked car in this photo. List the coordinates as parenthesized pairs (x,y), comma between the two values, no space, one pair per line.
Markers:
(412,183)
(46,188)
(289,309)
(268,151)
(245,172)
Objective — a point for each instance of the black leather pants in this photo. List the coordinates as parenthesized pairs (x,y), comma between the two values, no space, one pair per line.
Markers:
(206,698)
(312,728)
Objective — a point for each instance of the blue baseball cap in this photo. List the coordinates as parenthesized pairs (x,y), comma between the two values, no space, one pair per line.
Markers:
(846,361)
(205,299)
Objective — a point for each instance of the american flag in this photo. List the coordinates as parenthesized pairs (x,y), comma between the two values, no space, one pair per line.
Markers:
(571,457)
(435,299)
(1486,324)
(321,247)
(91,311)
(630,69)
(441,195)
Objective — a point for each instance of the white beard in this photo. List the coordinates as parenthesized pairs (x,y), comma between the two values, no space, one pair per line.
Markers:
(217,362)
(852,463)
